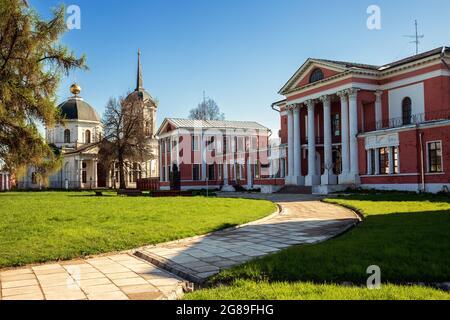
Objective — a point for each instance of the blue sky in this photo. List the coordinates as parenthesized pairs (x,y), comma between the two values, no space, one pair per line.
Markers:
(241,52)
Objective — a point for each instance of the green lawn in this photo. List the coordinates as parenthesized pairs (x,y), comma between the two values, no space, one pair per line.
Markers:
(39,227)
(407,236)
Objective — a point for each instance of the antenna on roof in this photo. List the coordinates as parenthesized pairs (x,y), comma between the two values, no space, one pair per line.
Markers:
(416,37)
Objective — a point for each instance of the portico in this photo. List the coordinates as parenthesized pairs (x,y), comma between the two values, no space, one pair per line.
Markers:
(318,122)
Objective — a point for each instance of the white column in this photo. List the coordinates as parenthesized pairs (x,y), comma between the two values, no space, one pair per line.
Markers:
(80,172)
(249,174)
(353,122)
(345,150)
(166,159)
(328,177)
(391,160)
(298,179)
(369,162)
(378,110)
(291,151)
(225,173)
(178,152)
(95,175)
(312,179)
(203,148)
(160,161)
(377,161)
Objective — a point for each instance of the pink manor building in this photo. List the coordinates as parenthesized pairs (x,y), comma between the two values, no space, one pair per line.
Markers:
(347,124)
(212,154)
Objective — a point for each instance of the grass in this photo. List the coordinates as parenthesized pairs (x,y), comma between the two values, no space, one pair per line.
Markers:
(407,236)
(263,290)
(40,227)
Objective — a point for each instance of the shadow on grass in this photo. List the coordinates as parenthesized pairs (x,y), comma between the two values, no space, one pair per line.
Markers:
(408,247)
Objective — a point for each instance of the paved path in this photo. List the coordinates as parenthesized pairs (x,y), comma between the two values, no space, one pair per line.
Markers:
(304,220)
(115,277)
(158,275)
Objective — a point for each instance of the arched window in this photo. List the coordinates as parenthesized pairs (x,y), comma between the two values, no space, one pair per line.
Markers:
(67,136)
(87,136)
(316,75)
(407,111)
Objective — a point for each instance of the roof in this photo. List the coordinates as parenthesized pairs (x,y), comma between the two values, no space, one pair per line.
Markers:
(346,66)
(389,65)
(76,108)
(211,124)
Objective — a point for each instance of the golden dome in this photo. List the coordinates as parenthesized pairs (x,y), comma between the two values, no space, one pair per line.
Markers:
(75,89)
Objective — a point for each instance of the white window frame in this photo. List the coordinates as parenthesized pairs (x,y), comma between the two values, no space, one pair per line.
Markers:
(195,145)
(428,157)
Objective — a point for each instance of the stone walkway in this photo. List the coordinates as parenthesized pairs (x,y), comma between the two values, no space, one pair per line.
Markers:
(115,277)
(304,220)
(157,272)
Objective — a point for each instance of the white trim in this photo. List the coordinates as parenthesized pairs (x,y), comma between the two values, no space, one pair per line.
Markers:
(431,124)
(368,86)
(415,79)
(390,175)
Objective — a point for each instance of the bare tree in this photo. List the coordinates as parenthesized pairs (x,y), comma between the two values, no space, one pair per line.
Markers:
(127,140)
(206,110)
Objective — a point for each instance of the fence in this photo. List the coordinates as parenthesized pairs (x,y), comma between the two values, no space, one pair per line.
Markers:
(148,184)
(407,120)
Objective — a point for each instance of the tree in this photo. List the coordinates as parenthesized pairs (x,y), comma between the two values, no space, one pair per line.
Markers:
(206,110)
(127,139)
(32,62)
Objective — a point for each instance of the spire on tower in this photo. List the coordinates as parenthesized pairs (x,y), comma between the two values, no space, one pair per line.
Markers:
(139,85)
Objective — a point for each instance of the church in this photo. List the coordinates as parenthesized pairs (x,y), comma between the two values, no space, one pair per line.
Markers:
(77,140)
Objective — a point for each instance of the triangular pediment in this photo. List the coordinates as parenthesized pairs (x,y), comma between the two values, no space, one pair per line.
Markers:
(302,76)
(165,127)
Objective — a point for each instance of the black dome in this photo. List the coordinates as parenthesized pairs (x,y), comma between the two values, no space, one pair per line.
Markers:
(77,109)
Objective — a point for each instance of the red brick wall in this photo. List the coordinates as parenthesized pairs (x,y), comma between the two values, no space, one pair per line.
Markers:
(410,162)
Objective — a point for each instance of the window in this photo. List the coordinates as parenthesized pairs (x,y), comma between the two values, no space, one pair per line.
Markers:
(384,160)
(406,111)
(225,145)
(148,127)
(34,178)
(210,143)
(372,161)
(395,159)
(316,75)
(196,172)
(136,174)
(435,156)
(219,171)
(211,172)
(239,171)
(195,143)
(87,136)
(84,172)
(67,136)
(240,144)
(336,124)
(163,168)
(254,144)
(257,170)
